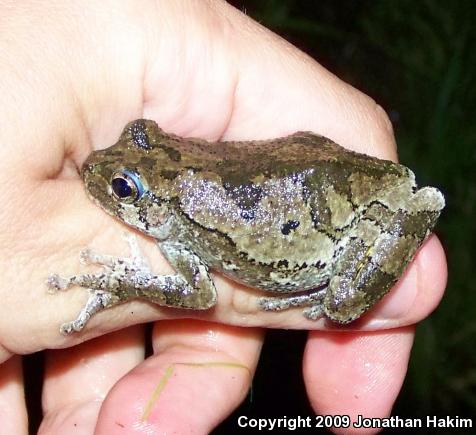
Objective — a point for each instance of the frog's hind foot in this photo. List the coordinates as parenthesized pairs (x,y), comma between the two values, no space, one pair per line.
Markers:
(312,300)
(314,312)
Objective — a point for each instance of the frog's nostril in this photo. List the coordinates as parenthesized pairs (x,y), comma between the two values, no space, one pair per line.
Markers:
(87,170)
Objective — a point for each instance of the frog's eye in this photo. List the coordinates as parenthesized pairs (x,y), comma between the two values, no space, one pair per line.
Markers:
(126,186)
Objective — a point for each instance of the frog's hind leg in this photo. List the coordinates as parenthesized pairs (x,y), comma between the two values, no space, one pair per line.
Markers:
(280,303)
(377,250)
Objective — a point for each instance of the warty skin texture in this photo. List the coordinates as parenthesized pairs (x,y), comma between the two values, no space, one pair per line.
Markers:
(317,225)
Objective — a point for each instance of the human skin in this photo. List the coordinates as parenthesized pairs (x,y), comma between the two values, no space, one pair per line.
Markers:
(73,74)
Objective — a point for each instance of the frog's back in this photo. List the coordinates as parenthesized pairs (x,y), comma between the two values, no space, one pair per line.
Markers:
(269,213)
(248,161)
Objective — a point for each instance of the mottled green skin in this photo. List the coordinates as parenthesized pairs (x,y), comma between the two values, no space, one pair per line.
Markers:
(294,214)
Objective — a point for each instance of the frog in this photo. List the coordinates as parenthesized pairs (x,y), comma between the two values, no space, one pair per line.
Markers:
(307,222)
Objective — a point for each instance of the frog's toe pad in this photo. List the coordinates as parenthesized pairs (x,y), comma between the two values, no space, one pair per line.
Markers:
(97,301)
(56,282)
(313,313)
(86,256)
(273,304)
(69,327)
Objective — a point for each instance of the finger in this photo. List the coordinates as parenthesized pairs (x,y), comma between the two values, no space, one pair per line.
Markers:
(198,374)
(13,415)
(268,80)
(77,379)
(352,374)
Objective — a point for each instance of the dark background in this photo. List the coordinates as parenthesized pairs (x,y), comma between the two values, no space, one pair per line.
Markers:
(416,58)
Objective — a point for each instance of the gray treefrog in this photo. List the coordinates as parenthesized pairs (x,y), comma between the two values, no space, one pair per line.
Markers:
(319,226)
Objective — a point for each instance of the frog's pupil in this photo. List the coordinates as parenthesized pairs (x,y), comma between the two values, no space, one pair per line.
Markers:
(121,187)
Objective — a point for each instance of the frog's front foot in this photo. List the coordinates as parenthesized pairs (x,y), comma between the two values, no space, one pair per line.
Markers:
(124,279)
(312,300)
(97,301)
(56,282)
(115,283)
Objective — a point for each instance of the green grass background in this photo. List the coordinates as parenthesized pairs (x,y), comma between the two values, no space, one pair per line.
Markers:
(418,60)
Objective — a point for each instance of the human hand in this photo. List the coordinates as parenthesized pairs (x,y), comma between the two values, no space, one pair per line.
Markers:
(72,76)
